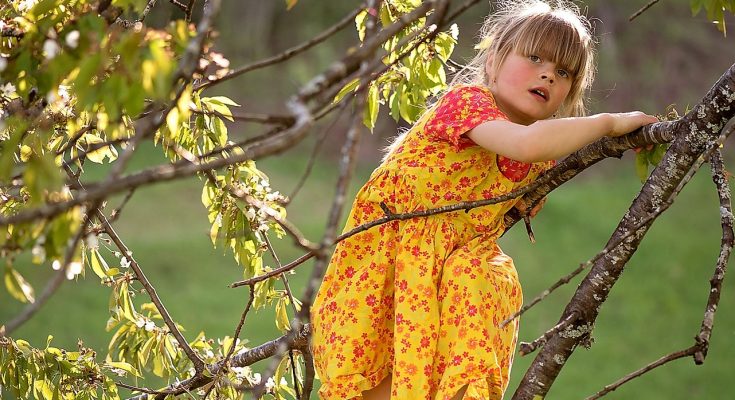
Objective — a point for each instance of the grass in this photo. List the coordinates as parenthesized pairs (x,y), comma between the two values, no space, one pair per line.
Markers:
(656,307)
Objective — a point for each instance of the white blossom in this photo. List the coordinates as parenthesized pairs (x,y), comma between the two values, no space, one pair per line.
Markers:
(92,241)
(63,92)
(250,213)
(454,31)
(56,265)
(220,60)
(26,5)
(38,251)
(50,49)
(8,89)
(118,371)
(257,378)
(72,39)
(283,381)
(270,384)
(150,326)
(124,262)
(74,269)
(239,371)
(140,322)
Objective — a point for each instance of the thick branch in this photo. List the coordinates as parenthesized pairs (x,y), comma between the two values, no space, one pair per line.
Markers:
(694,133)
(295,339)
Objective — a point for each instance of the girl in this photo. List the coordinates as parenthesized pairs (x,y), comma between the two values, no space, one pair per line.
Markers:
(410,309)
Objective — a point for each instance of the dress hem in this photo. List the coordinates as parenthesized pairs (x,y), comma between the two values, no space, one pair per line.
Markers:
(356,385)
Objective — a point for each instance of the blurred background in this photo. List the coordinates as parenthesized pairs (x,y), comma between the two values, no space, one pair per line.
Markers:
(664,57)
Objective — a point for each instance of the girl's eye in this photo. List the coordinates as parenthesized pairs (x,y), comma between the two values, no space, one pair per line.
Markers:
(534,58)
(563,73)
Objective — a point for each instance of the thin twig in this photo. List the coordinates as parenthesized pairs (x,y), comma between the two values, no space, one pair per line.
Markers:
(527,348)
(115,214)
(54,283)
(286,120)
(346,168)
(642,10)
(180,5)
(286,54)
(235,338)
(140,276)
(315,152)
(77,135)
(140,389)
(190,9)
(292,300)
(661,361)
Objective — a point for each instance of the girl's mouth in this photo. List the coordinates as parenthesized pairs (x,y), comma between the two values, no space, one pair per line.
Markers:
(542,93)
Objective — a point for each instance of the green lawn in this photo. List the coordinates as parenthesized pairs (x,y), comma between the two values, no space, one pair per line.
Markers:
(656,308)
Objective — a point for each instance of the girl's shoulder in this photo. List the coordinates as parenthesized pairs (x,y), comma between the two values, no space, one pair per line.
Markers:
(468,92)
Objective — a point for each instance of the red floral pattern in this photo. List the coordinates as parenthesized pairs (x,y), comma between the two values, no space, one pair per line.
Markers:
(421,299)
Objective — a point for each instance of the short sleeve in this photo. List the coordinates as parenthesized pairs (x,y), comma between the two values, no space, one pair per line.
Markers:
(459,111)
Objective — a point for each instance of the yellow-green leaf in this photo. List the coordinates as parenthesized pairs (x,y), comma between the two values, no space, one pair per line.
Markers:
(99,266)
(347,89)
(282,322)
(123,366)
(18,286)
(372,107)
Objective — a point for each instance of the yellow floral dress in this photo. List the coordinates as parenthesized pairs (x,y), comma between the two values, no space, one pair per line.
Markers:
(422,298)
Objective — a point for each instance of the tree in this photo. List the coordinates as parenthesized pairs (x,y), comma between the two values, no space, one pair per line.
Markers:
(90,82)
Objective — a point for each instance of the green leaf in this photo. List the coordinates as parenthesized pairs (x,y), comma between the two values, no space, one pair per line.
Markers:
(370,114)
(98,264)
(360,24)
(17,286)
(43,389)
(282,322)
(350,87)
(123,366)
(641,165)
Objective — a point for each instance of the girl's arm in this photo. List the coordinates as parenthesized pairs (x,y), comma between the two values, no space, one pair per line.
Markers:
(553,138)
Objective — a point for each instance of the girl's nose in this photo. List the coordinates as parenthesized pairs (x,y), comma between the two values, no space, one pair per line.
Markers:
(547,76)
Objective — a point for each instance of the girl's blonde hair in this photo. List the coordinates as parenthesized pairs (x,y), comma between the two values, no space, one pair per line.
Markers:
(553,30)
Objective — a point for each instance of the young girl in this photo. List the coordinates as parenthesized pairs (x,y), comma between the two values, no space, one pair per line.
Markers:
(410,309)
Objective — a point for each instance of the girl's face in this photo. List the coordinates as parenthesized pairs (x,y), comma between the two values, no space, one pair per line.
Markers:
(528,88)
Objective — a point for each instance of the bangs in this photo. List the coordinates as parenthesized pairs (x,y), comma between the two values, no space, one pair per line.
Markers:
(543,35)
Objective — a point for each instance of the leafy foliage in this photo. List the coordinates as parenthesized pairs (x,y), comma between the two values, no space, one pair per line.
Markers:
(416,66)
(78,79)
(715,11)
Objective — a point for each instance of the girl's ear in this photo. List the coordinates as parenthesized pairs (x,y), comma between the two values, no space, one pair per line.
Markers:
(489,70)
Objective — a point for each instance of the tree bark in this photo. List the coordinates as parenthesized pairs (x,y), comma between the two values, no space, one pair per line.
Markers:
(694,133)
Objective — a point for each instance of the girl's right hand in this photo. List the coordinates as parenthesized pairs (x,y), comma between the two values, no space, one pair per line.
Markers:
(628,122)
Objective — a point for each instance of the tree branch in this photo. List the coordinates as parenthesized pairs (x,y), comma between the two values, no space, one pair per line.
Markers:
(53,284)
(726,216)
(694,133)
(642,10)
(661,361)
(286,54)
